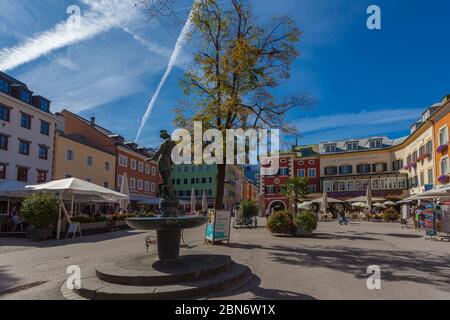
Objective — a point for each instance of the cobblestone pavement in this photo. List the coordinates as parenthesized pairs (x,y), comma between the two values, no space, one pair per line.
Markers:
(330,265)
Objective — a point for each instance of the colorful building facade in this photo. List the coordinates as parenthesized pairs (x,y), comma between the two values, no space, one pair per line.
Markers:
(441,121)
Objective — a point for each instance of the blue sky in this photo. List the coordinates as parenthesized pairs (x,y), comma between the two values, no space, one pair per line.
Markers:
(364,82)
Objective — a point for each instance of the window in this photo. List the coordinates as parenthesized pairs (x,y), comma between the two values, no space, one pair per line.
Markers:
(203,180)
(379,167)
(300,163)
(153,187)
(123,161)
(443,135)
(22,174)
(140,185)
(270,190)
(186,169)
(119,181)
(330,171)
(311,161)
(375,184)
(89,180)
(312,188)
(4,86)
(43,152)
(132,183)
(344,170)
(44,105)
(107,166)
(41,176)
(25,96)
(68,176)
(312,172)
(330,148)
(133,164)
(401,182)
(301,173)
(153,171)
(429,148)
(141,167)
(444,166)
(70,155)
(147,186)
(4,113)
(3,142)
(422,178)
(45,128)
(342,185)
(376,144)
(397,165)
(89,161)
(147,169)
(284,172)
(327,186)
(25,121)
(24,147)
(363,168)
(106,184)
(2,171)
(350,185)
(352,146)
(430,176)
(185,181)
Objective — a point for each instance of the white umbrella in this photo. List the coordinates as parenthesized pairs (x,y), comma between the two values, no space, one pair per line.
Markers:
(359,204)
(369,196)
(389,203)
(380,205)
(125,189)
(305,205)
(364,199)
(329,200)
(204,202)
(193,200)
(324,201)
(434,193)
(74,186)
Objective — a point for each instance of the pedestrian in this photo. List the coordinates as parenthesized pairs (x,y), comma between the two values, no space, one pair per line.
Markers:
(17,221)
(267,214)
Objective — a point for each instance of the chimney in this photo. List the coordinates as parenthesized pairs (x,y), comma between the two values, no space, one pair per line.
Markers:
(93,121)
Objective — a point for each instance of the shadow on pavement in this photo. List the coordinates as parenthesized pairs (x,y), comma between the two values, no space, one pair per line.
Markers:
(7,280)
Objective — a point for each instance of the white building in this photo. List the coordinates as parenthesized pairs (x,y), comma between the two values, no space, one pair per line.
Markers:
(26,134)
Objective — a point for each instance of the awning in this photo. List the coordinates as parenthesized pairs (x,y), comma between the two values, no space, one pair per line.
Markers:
(13,189)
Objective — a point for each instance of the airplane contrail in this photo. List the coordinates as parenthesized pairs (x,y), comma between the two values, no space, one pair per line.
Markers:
(178,46)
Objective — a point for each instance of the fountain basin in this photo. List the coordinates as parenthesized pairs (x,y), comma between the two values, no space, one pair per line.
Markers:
(168,232)
(166,223)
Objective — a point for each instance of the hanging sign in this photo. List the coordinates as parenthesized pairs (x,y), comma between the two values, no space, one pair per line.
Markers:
(218,226)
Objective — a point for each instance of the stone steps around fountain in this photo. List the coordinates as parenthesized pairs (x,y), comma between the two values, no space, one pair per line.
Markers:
(135,270)
(237,276)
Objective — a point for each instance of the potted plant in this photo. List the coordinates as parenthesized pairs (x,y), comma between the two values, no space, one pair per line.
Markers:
(391,215)
(305,222)
(41,212)
(442,148)
(443,179)
(281,222)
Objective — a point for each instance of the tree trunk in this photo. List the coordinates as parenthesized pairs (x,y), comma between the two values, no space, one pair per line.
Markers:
(220,186)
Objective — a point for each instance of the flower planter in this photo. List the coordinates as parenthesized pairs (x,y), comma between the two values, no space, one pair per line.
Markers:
(443,179)
(301,231)
(442,148)
(39,234)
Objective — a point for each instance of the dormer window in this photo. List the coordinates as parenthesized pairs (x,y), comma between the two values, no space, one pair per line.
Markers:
(4,86)
(329,148)
(44,105)
(352,146)
(25,96)
(376,144)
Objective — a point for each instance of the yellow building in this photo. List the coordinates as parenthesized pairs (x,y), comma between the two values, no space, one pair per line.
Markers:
(77,157)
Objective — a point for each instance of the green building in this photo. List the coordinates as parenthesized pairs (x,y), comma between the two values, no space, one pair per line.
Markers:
(203,178)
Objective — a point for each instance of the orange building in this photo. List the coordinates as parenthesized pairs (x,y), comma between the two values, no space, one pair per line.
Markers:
(250,191)
(441,121)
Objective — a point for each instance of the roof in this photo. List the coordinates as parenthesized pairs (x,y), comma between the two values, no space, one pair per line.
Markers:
(85,141)
(363,144)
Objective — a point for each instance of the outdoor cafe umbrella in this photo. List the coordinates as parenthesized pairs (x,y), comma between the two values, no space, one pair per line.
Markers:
(193,200)
(364,199)
(379,205)
(389,203)
(369,196)
(125,189)
(204,202)
(73,187)
(359,204)
(324,201)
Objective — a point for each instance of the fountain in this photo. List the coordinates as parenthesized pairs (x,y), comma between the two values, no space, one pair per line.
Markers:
(169,275)
(168,227)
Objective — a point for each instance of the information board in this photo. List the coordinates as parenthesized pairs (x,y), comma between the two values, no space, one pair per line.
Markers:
(430,222)
(218,226)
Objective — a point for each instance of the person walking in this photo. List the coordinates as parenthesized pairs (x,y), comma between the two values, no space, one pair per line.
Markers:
(267,214)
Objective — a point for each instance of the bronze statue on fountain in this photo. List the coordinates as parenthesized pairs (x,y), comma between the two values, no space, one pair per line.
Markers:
(169,225)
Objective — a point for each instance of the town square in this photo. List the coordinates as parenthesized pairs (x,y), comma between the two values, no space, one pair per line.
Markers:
(224,151)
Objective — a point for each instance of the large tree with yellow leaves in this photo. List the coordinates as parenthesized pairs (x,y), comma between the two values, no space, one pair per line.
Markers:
(239,64)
